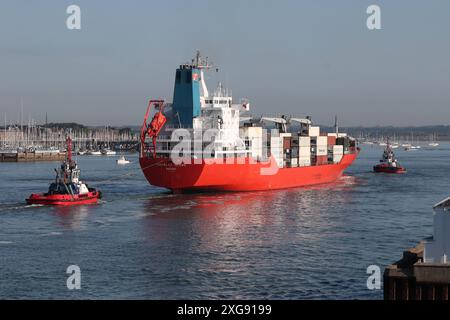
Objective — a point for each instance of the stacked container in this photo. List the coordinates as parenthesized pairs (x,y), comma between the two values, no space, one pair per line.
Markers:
(331,137)
(254,137)
(344,141)
(287,145)
(314,131)
(297,150)
(276,149)
(338,153)
(304,151)
(321,150)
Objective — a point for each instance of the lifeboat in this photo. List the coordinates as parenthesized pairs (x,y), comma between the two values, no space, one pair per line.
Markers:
(67,189)
(388,162)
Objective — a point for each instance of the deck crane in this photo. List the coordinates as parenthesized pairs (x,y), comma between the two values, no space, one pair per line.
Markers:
(305,123)
(280,122)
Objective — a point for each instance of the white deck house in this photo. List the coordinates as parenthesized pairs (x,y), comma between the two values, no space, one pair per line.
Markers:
(437,250)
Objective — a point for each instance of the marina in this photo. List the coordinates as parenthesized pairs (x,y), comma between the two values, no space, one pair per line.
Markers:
(46,142)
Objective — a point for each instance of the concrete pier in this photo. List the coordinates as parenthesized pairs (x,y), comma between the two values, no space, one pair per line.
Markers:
(31,156)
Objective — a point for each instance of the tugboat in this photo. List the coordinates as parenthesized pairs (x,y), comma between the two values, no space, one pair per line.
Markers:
(67,189)
(389,164)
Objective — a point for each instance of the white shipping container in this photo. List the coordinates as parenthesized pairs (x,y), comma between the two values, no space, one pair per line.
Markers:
(314,131)
(304,152)
(322,151)
(322,141)
(254,132)
(276,152)
(341,135)
(332,134)
(277,155)
(303,162)
(304,141)
(276,141)
(285,134)
(338,149)
(294,162)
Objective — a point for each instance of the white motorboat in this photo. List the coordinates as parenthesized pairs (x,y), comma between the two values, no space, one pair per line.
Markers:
(122,160)
(94,153)
(108,152)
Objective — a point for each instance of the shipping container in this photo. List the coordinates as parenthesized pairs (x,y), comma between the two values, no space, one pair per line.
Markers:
(331,140)
(338,149)
(321,160)
(287,142)
(304,141)
(331,134)
(314,131)
(303,162)
(322,141)
(344,142)
(250,132)
(285,134)
(276,143)
(294,162)
(321,151)
(304,152)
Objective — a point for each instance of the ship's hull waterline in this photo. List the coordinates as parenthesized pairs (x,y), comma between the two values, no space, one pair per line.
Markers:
(247,176)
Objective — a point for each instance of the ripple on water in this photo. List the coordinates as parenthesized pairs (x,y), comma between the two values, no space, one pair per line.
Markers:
(140,242)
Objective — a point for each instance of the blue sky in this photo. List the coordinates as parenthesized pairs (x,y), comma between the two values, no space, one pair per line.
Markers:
(295,57)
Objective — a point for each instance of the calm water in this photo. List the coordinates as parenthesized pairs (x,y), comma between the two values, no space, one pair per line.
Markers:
(141,242)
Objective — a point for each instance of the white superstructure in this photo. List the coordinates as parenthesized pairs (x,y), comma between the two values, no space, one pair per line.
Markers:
(223,129)
(437,250)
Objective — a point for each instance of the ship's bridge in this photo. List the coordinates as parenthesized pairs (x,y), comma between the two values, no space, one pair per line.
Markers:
(196,110)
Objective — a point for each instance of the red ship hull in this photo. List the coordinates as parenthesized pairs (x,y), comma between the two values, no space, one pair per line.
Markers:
(247,176)
(64,199)
(388,169)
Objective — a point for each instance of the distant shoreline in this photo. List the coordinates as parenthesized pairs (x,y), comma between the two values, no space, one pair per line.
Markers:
(377,133)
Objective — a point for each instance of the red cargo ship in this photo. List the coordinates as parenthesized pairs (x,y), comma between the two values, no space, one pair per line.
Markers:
(204,141)
(67,189)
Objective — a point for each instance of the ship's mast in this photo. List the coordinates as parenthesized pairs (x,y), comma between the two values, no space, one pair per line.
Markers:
(69,149)
(201,64)
(336,127)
